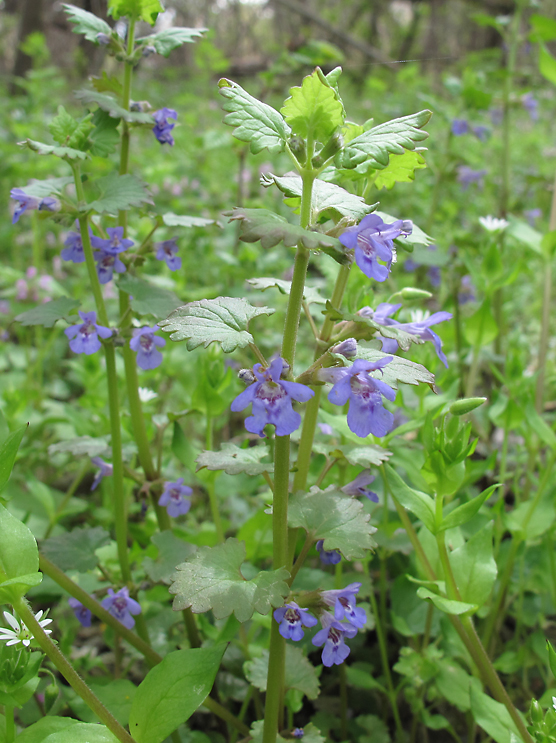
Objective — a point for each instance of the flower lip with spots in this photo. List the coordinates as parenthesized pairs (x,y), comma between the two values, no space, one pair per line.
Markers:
(291,617)
(145,343)
(121,606)
(373,243)
(332,635)
(82,614)
(343,601)
(166,251)
(84,336)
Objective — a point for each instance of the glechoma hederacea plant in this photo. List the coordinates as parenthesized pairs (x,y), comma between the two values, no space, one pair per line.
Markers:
(357,364)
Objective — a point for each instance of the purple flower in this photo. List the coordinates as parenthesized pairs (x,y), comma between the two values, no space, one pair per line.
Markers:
(82,614)
(531,215)
(163,129)
(25,201)
(145,343)
(105,471)
(347,348)
(481,132)
(332,635)
(327,557)
(459,127)
(103,39)
(107,254)
(166,251)
(372,239)
(298,733)
(121,606)
(176,498)
(496,116)
(357,487)
(85,335)
(366,413)
(467,176)
(74,246)
(326,429)
(271,398)
(467,290)
(434,275)
(343,602)
(290,618)
(531,105)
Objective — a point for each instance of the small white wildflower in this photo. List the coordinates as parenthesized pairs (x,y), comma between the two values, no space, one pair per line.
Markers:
(419,315)
(21,634)
(554,702)
(145,394)
(493,224)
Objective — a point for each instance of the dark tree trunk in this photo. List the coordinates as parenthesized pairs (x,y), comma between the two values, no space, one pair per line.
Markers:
(31,21)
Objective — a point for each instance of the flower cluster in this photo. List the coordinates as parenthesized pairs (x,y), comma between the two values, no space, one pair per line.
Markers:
(461,127)
(107,251)
(162,130)
(176,498)
(334,630)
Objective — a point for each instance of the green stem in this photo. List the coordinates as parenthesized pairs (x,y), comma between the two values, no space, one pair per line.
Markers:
(274,705)
(301,558)
(473,372)
(68,672)
(10,723)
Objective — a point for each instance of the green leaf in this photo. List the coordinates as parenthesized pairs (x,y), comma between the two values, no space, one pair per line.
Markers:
(75,550)
(44,727)
(8,453)
(178,220)
(328,200)
(147,298)
(62,126)
(481,328)
(47,187)
(260,125)
(171,552)
(104,137)
(417,236)
(119,193)
(235,461)
(104,83)
(421,504)
(376,145)
(551,657)
(83,732)
(336,518)
(524,233)
(474,567)
(117,696)
(399,370)
(81,446)
(363,456)
(544,28)
(171,38)
(400,169)
(212,579)
(112,107)
(47,149)
(463,514)
(310,295)
(492,716)
(300,672)
(49,313)
(313,110)
(547,64)
(518,521)
(19,555)
(145,10)
(270,229)
(377,728)
(86,23)
(403,338)
(172,691)
(448,606)
(224,320)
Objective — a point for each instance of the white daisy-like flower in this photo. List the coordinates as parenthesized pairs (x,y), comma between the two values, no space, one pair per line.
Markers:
(145,394)
(21,633)
(493,224)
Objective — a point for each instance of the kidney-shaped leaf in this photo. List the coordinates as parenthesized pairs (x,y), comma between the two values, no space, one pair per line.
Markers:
(399,370)
(234,460)
(48,313)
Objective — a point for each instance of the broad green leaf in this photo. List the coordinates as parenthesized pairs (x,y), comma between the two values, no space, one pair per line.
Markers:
(464,513)
(300,672)
(336,518)
(403,338)
(481,328)
(147,298)
(421,504)
(171,552)
(49,313)
(400,169)
(417,236)
(448,606)
(81,446)
(313,110)
(172,691)
(112,107)
(117,696)
(474,567)
(63,126)
(362,678)
(8,453)
(310,295)
(328,200)
(178,220)
(551,657)
(86,23)
(104,137)
(171,38)
(224,320)
(527,235)
(362,456)
(399,370)
(212,579)
(145,10)
(311,734)
(119,193)
(44,727)
(83,732)
(234,460)
(376,145)
(104,83)
(455,684)
(48,187)
(519,521)
(544,28)
(19,555)
(260,125)
(537,423)
(75,550)
(183,447)
(47,149)
(547,64)
(376,727)
(271,229)
(492,716)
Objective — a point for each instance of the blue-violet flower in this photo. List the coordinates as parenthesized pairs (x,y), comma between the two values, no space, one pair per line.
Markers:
(327,557)
(332,635)
(358,486)
(166,251)
(82,614)
(144,343)
(48,203)
(459,127)
(467,176)
(74,246)
(163,129)
(372,239)
(290,618)
(106,470)
(107,252)
(176,498)
(121,606)
(85,335)
(343,602)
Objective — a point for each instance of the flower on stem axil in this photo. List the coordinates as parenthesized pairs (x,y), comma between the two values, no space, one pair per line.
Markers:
(290,618)
(163,129)
(332,635)
(84,336)
(25,202)
(166,251)
(144,342)
(121,606)
(107,252)
(343,601)
(176,498)
(327,557)
(74,246)
(21,633)
(358,486)
(271,398)
(82,614)
(372,240)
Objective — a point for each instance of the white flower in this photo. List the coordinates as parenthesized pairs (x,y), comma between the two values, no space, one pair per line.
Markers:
(554,702)
(145,394)
(21,634)
(493,224)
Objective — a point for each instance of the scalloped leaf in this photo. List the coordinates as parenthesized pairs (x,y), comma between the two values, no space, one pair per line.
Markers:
(400,169)
(362,456)
(328,199)
(49,313)
(47,187)
(105,137)
(147,298)
(403,338)
(67,153)
(311,296)
(119,193)
(335,517)
(171,552)
(146,10)
(86,23)
(171,38)
(399,370)
(235,461)
(392,138)
(255,122)
(75,550)
(224,320)
(112,107)
(212,579)
(300,672)
(313,109)
(271,229)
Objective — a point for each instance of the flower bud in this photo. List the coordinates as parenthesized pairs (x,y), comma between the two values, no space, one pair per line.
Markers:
(297,146)
(410,292)
(461,407)
(347,348)
(103,39)
(334,144)
(246,376)
(536,712)
(147,51)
